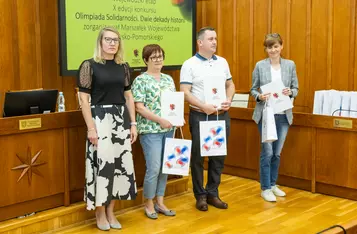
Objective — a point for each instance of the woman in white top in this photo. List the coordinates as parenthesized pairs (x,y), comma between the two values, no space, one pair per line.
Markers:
(267,70)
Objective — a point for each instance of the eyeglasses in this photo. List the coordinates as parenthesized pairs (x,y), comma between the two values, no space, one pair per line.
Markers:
(156,59)
(109,40)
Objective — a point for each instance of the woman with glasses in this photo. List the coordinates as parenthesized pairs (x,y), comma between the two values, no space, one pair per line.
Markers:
(267,70)
(109,112)
(152,128)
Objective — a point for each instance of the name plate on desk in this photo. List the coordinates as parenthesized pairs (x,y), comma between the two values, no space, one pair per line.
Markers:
(342,123)
(25,124)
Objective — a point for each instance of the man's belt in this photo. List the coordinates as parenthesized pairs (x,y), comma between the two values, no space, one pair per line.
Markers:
(201,111)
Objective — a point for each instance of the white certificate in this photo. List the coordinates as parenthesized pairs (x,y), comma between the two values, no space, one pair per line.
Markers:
(215,91)
(172,107)
(278,100)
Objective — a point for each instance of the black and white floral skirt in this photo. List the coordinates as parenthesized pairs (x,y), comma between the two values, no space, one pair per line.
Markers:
(109,165)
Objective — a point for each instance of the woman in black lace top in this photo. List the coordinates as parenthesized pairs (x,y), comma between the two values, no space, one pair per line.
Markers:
(109,112)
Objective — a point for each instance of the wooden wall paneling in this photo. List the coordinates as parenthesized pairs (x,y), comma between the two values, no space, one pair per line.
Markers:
(243,145)
(50,46)
(329,42)
(8,49)
(210,10)
(234,64)
(336,163)
(201,7)
(243,75)
(176,77)
(51,144)
(313,161)
(270,15)
(319,45)
(298,43)
(296,161)
(227,43)
(76,162)
(252,148)
(354,28)
(236,145)
(15,46)
(199,14)
(66,172)
(260,28)
(280,19)
(260,23)
(77,157)
(309,94)
(251,44)
(352,58)
(23,208)
(139,163)
(28,45)
(341,42)
(38,47)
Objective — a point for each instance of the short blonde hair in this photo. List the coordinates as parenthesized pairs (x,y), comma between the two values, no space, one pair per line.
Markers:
(118,57)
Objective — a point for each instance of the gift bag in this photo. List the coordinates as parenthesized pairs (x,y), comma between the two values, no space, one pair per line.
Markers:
(327,104)
(336,103)
(318,102)
(268,124)
(353,106)
(177,154)
(346,103)
(213,138)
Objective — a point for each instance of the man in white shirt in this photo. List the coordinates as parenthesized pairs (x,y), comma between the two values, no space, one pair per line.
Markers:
(195,72)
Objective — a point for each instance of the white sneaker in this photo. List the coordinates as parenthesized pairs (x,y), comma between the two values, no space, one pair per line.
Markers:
(268,195)
(277,191)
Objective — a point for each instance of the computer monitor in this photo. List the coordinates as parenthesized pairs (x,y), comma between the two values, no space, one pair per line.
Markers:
(29,102)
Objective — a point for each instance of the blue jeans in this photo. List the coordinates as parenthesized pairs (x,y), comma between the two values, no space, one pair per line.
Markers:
(153,145)
(270,153)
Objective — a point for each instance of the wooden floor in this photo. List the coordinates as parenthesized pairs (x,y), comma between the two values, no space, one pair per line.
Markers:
(300,212)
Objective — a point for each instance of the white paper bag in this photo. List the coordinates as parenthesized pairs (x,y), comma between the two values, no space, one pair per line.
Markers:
(215,91)
(177,154)
(269,133)
(318,102)
(327,104)
(346,103)
(213,138)
(336,103)
(353,107)
(172,107)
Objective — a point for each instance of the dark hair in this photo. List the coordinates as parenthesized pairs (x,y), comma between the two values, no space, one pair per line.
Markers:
(202,31)
(271,39)
(148,50)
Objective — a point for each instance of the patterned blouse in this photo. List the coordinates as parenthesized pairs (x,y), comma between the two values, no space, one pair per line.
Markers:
(147,89)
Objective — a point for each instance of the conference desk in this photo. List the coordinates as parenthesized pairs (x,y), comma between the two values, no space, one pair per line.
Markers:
(42,163)
(42,158)
(319,155)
